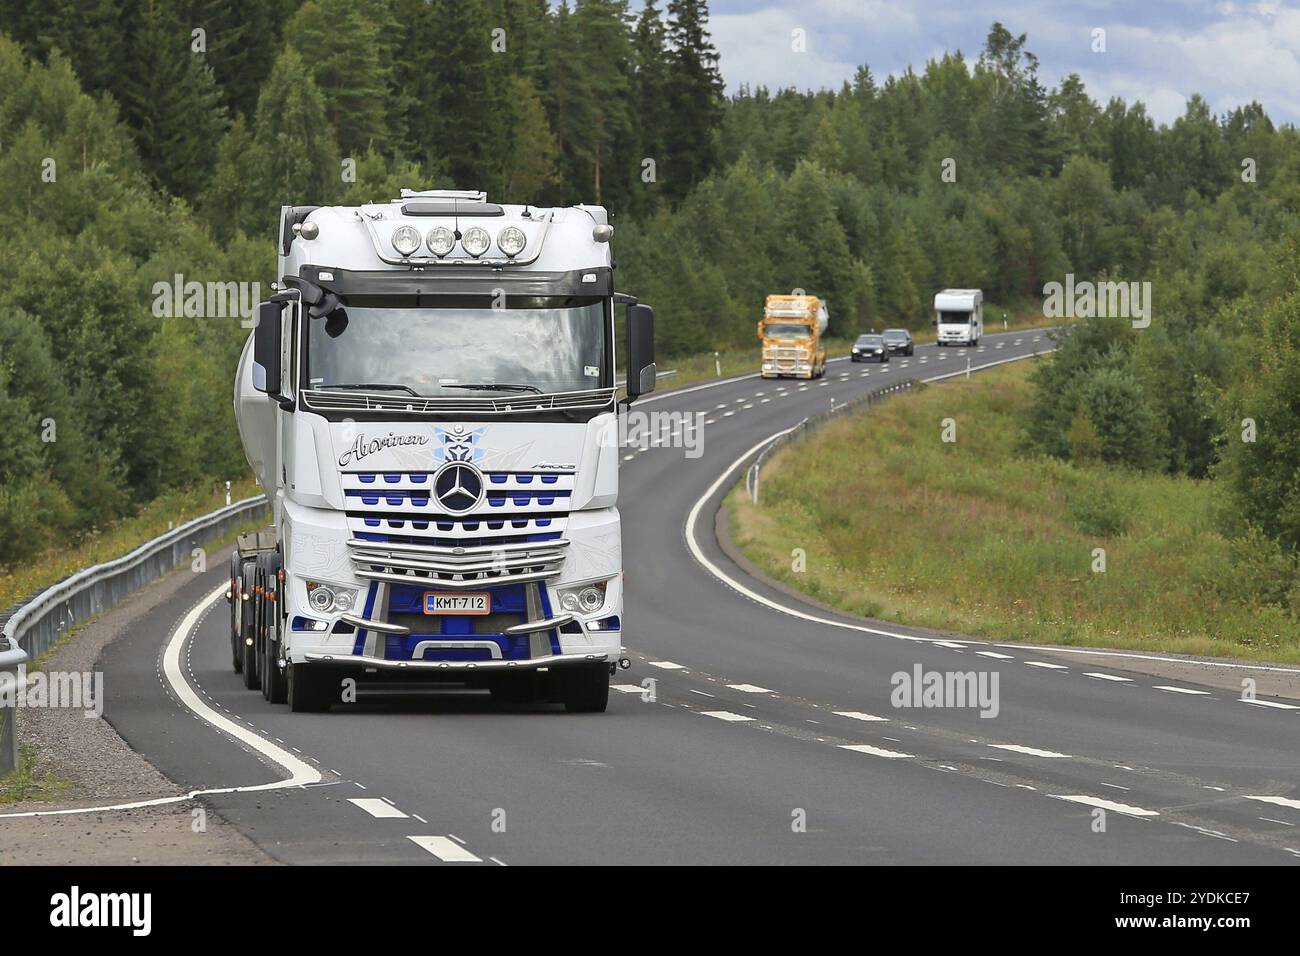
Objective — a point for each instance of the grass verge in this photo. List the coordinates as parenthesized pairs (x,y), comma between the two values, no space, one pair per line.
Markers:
(26,783)
(153,519)
(974,537)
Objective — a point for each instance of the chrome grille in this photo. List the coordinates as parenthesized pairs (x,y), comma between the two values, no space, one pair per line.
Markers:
(457,568)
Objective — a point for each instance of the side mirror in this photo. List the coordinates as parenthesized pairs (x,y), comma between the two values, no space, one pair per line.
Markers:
(266,349)
(641,368)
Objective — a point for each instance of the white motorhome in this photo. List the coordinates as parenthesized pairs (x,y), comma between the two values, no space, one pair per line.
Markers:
(959,316)
(430,402)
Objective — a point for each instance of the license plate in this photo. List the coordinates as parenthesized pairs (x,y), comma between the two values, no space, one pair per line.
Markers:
(443,602)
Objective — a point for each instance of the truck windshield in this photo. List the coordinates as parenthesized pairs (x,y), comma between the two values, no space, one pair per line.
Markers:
(954,318)
(542,345)
(786,330)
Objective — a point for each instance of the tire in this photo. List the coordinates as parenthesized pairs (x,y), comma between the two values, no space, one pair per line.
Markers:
(309,690)
(275,683)
(584,688)
(911,350)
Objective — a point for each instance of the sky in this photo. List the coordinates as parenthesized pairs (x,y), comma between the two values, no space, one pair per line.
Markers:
(1158,51)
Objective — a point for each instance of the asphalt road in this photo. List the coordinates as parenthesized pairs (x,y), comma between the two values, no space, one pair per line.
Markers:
(769,736)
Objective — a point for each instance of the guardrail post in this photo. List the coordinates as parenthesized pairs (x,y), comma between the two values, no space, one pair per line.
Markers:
(10,688)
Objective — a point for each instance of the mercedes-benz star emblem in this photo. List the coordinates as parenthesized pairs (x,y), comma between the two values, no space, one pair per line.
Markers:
(458,487)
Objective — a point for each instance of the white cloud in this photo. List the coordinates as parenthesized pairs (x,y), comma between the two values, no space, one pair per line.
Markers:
(1230,51)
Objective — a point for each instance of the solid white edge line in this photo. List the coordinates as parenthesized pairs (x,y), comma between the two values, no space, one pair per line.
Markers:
(300,773)
(692,520)
(697,553)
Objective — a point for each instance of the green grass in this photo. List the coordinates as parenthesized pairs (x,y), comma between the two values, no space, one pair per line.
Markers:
(976,538)
(123,537)
(26,783)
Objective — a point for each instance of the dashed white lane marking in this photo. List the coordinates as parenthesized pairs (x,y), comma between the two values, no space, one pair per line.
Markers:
(1278,801)
(960,647)
(859,715)
(1182,690)
(447,850)
(666,665)
(1100,676)
(749,688)
(874,751)
(995,655)
(1105,804)
(627,688)
(1054,667)
(1285,823)
(627,457)
(1269,703)
(1031,751)
(725,715)
(377,808)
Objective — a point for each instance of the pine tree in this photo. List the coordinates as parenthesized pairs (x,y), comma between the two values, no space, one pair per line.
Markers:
(694,97)
(172,104)
(653,124)
(601,104)
(294,158)
(531,159)
(456,85)
(344,51)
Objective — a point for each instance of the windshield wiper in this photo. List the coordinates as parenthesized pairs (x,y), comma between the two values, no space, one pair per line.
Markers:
(376,387)
(496,387)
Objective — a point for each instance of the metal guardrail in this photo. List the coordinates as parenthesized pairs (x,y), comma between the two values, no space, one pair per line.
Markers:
(32,627)
(811,424)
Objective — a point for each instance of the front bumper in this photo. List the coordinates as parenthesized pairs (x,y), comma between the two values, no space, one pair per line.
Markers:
(380,663)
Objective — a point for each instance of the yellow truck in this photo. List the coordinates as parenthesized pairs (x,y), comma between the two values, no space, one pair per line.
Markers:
(791,332)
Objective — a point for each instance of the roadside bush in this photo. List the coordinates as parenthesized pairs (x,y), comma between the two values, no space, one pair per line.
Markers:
(1098,511)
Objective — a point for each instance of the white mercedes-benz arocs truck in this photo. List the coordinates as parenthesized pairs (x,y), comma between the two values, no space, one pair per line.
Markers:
(959,316)
(429,401)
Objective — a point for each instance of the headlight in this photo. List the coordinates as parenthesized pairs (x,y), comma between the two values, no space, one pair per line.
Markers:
(320,597)
(587,599)
(441,240)
(324,598)
(511,240)
(406,239)
(476,241)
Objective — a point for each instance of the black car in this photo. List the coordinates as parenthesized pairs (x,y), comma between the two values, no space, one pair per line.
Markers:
(870,348)
(900,341)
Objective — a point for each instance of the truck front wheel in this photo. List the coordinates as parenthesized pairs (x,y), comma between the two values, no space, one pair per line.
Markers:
(309,690)
(584,689)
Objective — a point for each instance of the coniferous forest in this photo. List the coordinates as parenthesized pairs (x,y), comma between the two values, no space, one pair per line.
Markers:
(146,139)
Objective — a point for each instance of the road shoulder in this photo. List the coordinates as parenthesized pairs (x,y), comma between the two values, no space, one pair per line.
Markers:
(93,767)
